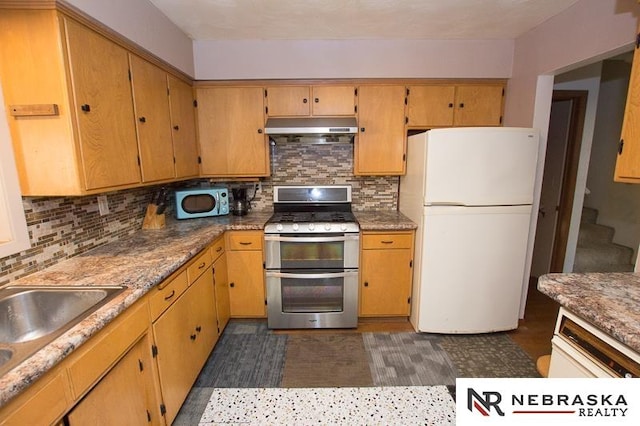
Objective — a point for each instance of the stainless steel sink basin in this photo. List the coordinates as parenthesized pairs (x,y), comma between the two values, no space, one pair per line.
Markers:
(31,317)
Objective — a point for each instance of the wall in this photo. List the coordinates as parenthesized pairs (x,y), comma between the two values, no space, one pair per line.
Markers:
(141,22)
(618,203)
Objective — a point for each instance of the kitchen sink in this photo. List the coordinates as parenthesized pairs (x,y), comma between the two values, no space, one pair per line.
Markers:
(31,317)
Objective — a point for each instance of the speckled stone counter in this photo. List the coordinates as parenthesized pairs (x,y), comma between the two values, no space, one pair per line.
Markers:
(609,301)
(140,262)
(383,221)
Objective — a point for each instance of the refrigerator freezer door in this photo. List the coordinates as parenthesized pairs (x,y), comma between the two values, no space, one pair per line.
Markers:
(472,266)
(480,166)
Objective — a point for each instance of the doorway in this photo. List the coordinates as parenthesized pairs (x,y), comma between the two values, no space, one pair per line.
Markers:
(559,180)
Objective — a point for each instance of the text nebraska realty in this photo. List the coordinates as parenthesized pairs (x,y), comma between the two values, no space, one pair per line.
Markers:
(587,405)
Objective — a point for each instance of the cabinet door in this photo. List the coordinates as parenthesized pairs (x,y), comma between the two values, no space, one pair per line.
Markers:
(221,281)
(183,125)
(478,106)
(386,282)
(104,108)
(153,122)
(246,283)
(122,396)
(288,101)
(333,100)
(431,106)
(231,130)
(381,141)
(628,161)
(203,310)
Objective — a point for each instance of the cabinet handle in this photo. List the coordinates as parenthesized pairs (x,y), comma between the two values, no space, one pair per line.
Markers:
(362,129)
(450,104)
(461,105)
(366,284)
(259,130)
(86,107)
(232,285)
(193,337)
(386,242)
(176,127)
(316,100)
(173,293)
(200,266)
(198,329)
(219,249)
(142,119)
(244,243)
(304,101)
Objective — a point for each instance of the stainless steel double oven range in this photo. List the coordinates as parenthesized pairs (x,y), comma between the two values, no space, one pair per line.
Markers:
(311,251)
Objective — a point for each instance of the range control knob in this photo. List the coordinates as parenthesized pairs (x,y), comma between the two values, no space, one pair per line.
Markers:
(311,227)
(279,227)
(343,227)
(327,226)
(295,226)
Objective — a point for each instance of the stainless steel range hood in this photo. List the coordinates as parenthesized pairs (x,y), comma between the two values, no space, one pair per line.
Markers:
(315,126)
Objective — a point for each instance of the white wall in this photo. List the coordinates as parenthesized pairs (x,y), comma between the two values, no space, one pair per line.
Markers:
(141,22)
(251,59)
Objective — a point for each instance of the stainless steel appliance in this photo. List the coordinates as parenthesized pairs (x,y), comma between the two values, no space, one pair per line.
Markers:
(311,258)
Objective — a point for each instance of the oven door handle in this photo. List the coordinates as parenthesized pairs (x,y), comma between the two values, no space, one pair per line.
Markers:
(312,276)
(311,239)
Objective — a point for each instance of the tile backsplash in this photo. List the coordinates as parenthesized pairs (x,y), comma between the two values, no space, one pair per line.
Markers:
(63,227)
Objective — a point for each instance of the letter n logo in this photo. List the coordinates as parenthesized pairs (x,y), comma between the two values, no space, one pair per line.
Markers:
(484,403)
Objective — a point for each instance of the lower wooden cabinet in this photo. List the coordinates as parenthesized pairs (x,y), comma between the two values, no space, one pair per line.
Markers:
(221,284)
(386,273)
(246,274)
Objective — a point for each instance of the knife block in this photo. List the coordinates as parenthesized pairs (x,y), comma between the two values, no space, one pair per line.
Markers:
(152,220)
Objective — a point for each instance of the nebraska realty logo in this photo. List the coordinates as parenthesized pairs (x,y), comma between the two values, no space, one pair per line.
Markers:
(552,401)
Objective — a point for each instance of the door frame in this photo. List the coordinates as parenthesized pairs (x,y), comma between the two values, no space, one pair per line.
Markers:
(578,99)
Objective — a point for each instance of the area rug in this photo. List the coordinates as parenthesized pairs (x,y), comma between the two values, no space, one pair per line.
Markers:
(488,355)
(408,359)
(397,405)
(326,360)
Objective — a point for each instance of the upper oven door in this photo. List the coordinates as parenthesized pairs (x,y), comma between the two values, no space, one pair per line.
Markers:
(312,251)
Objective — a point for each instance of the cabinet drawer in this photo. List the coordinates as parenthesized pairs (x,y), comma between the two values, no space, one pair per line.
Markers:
(166,293)
(104,350)
(217,249)
(198,266)
(246,240)
(387,241)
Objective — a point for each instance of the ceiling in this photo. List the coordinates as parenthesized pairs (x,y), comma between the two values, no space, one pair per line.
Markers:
(358,19)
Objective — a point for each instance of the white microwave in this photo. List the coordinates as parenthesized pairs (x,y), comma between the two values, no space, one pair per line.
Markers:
(202,202)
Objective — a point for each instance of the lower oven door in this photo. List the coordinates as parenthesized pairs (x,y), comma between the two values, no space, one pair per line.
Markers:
(312,299)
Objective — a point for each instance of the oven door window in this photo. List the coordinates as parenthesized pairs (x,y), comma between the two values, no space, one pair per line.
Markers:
(312,294)
(311,255)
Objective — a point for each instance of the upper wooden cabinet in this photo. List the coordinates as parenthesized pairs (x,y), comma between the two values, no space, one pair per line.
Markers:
(455,105)
(380,146)
(85,114)
(628,161)
(183,125)
(231,132)
(329,100)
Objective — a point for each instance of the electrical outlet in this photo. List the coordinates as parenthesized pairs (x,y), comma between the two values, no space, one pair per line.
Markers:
(259,186)
(103,205)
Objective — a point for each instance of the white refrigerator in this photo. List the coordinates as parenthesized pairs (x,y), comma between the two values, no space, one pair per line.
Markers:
(470,191)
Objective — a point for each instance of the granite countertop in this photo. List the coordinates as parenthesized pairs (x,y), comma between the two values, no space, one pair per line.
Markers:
(140,262)
(372,220)
(609,301)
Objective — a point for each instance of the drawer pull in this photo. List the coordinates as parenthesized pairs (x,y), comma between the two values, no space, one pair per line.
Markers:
(198,329)
(386,242)
(193,337)
(173,293)
(201,265)
(219,249)
(244,243)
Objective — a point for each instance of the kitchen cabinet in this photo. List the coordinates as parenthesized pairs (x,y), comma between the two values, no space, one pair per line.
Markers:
(628,161)
(221,283)
(322,100)
(183,125)
(245,274)
(380,146)
(386,273)
(153,121)
(455,105)
(184,336)
(121,397)
(231,132)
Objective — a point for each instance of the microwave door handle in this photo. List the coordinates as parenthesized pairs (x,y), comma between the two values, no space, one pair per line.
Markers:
(311,239)
(311,276)
(216,195)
